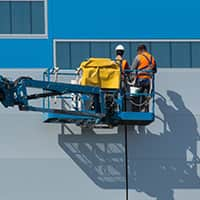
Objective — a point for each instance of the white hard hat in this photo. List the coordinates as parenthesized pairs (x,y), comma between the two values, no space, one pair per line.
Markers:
(119,48)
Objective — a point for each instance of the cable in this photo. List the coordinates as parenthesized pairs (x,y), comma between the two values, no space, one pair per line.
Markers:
(126,159)
(122,92)
(146,102)
(126,147)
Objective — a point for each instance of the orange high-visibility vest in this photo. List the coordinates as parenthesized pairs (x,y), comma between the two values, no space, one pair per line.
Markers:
(146,62)
(124,63)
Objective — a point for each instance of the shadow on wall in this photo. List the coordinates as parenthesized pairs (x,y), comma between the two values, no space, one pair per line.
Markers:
(158,162)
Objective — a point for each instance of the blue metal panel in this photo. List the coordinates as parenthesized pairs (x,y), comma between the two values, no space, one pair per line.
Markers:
(161,51)
(38,19)
(181,55)
(21,17)
(65,22)
(98,21)
(63,55)
(25,53)
(5,17)
(79,51)
(24,18)
(195,54)
(100,49)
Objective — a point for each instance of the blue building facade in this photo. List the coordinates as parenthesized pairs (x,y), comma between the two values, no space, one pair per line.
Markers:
(42,33)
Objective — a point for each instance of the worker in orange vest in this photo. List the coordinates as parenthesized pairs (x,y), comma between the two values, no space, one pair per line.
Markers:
(119,57)
(145,65)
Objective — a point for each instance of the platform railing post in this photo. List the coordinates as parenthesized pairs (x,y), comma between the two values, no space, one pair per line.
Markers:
(153,93)
(48,78)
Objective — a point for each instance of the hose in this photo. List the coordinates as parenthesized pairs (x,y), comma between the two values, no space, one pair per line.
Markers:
(17,81)
(146,102)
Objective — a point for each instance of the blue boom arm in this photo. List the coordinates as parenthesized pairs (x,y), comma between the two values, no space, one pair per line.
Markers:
(14,93)
(106,106)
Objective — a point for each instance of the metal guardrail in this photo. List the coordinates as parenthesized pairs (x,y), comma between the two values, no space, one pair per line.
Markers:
(49,73)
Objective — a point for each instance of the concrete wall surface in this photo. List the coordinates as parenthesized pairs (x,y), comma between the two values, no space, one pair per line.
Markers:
(46,161)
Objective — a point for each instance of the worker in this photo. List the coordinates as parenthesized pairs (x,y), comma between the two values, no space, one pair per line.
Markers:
(119,57)
(119,50)
(145,65)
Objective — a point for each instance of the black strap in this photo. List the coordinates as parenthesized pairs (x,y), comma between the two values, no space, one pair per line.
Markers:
(146,66)
(154,69)
(150,61)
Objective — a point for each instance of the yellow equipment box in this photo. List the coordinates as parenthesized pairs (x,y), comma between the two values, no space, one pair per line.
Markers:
(101,72)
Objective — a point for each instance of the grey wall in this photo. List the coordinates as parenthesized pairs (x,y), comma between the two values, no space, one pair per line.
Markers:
(45,161)
(167,54)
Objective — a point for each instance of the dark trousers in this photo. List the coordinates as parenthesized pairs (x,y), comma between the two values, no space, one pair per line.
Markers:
(145,85)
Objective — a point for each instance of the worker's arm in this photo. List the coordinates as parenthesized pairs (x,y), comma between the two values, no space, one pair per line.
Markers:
(135,63)
(155,67)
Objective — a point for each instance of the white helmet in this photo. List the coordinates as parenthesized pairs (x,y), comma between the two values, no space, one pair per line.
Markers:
(119,48)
